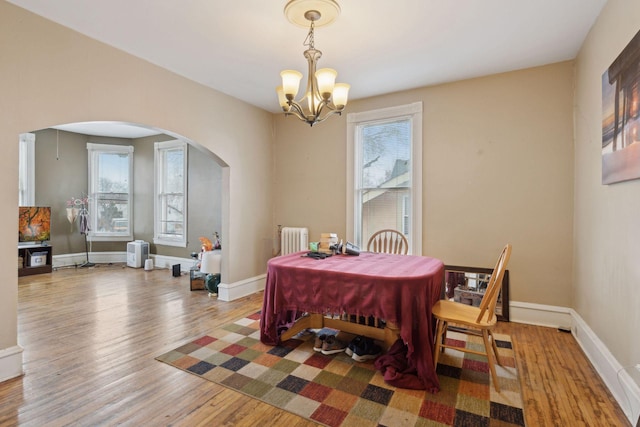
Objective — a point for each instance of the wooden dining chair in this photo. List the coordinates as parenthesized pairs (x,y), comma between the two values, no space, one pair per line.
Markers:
(389,242)
(472,320)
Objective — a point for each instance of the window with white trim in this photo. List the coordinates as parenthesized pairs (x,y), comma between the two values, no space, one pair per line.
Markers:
(384,180)
(110,192)
(170,227)
(26,170)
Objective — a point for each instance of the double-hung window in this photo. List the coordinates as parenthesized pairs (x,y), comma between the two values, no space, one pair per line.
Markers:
(170,193)
(110,192)
(384,180)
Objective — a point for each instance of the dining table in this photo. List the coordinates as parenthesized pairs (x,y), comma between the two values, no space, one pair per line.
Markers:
(301,291)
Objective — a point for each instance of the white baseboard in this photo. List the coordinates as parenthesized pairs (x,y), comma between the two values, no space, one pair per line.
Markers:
(539,314)
(618,379)
(160,261)
(10,363)
(242,288)
(76,260)
(164,261)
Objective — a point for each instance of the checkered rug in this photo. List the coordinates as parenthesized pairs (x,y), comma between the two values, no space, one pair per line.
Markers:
(336,391)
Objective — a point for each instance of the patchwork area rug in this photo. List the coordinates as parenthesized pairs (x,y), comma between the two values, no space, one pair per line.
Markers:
(336,391)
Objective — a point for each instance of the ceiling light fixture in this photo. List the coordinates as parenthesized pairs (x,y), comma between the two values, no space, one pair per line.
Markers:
(324,96)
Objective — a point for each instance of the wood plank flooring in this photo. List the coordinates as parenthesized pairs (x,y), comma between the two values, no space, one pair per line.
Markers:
(90,337)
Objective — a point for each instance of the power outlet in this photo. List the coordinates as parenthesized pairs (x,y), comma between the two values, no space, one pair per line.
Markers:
(638,366)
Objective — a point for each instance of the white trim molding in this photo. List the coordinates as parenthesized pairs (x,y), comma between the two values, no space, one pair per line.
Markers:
(617,378)
(412,111)
(11,363)
(242,288)
(539,314)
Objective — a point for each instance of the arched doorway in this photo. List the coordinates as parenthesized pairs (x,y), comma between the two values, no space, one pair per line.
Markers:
(60,164)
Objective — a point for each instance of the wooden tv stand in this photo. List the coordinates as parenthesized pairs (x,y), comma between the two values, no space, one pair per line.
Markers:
(25,255)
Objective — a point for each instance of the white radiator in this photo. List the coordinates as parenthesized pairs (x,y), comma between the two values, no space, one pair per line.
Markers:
(294,239)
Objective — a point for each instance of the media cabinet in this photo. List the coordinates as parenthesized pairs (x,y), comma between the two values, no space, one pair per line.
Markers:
(34,260)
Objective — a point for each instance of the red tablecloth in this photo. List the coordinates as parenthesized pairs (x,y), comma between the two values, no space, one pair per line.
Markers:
(398,288)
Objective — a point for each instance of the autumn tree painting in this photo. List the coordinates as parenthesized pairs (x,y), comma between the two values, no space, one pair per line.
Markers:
(34,224)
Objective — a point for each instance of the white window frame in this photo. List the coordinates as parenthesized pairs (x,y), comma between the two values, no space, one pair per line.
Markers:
(94,150)
(27,170)
(158,237)
(413,112)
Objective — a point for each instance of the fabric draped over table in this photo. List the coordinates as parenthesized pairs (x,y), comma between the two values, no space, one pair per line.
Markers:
(397,288)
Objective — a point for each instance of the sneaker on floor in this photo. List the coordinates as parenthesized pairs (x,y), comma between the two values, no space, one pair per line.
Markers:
(368,350)
(333,345)
(317,346)
(356,342)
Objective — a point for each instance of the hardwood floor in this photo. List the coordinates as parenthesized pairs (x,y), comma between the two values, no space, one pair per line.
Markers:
(90,337)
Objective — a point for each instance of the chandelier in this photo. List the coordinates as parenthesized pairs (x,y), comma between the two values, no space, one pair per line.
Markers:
(324,97)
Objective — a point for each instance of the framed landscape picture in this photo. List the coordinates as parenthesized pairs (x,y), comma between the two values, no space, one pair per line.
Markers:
(621,116)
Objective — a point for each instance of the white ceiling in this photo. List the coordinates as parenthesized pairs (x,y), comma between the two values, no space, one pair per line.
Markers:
(239,47)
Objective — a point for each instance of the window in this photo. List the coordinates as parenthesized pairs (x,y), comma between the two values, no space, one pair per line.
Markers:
(170,193)
(26,170)
(110,191)
(384,180)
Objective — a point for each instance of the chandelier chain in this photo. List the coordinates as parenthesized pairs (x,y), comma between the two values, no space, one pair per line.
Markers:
(309,41)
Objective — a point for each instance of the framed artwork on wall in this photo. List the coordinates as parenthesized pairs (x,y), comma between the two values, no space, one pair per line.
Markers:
(621,116)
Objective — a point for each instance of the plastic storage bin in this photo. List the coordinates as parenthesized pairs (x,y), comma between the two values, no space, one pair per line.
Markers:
(38,259)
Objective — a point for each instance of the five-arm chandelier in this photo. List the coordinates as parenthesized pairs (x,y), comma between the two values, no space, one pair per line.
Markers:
(324,97)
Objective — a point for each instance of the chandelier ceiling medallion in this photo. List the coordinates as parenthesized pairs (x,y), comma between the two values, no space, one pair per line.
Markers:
(324,96)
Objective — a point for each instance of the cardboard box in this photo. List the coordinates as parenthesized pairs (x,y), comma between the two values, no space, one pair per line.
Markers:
(467,296)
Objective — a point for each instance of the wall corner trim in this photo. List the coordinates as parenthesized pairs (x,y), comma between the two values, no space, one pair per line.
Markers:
(11,363)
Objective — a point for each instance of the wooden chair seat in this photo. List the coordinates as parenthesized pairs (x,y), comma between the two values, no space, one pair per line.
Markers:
(461,314)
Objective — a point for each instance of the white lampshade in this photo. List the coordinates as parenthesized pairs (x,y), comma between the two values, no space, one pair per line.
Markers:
(326,78)
(211,262)
(282,99)
(291,82)
(340,94)
(313,102)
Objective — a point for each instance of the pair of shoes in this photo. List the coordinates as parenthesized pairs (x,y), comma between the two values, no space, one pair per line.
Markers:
(357,341)
(332,345)
(320,339)
(363,349)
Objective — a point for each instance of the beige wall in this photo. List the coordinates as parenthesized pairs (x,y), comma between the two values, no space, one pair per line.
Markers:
(50,75)
(61,172)
(497,168)
(607,217)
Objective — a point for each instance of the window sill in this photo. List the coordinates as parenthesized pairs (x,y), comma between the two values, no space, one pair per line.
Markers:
(170,243)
